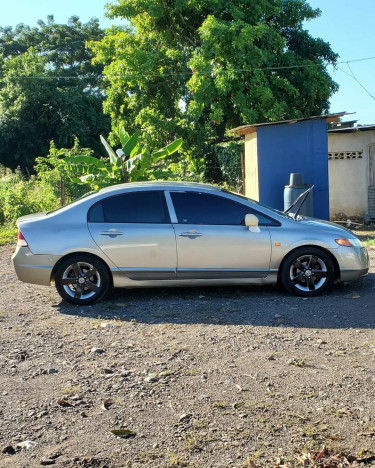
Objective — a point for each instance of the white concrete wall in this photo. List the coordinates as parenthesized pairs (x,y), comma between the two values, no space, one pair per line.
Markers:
(348,178)
(251,166)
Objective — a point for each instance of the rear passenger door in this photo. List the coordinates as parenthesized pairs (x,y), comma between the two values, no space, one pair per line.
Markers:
(134,230)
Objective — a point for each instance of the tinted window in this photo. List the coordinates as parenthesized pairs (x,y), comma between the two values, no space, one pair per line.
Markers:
(280,213)
(203,208)
(136,207)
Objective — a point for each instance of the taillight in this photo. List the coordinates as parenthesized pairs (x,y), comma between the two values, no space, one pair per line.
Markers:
(21,241)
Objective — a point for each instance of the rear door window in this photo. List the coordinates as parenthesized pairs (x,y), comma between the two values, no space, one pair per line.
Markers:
(135,207)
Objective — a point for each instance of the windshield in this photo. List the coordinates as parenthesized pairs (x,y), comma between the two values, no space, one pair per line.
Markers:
(274,210)
(85,195)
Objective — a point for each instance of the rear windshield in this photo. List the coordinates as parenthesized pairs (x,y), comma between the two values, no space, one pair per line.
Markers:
(74,201)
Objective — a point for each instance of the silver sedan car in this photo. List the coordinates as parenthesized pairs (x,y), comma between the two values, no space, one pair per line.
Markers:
(180,234)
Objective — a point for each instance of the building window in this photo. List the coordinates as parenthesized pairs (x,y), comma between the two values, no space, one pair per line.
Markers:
(345,155)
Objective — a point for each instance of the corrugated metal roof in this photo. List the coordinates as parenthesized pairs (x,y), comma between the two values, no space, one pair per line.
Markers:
(244,129)
(359,128)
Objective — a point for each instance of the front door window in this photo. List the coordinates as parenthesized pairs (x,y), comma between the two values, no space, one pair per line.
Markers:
(207,209)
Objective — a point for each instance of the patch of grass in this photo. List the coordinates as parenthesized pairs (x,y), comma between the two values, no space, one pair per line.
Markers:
(220,404)
(366,235)
(249,462)
(298,362)
(200,424)
(8,233)
(71,390)
(193,443)
(147,456)
(369,242)
(315,432)
(191,371)
(175,461)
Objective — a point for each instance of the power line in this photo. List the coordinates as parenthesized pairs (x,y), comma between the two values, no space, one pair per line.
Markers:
(187,73)
(352,75)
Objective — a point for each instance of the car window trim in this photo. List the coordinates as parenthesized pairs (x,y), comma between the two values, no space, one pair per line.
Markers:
(170,206)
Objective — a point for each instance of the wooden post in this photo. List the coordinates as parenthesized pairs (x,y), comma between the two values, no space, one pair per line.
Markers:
(243,172)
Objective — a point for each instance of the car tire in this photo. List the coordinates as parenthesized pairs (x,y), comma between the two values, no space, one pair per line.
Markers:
(307,271)
(82,279)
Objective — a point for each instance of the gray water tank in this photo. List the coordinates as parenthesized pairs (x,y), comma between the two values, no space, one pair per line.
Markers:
(292,191)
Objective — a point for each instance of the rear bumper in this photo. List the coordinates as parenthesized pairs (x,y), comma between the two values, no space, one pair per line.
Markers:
(35,269)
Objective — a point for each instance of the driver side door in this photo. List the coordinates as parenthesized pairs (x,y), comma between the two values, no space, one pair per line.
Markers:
(212,240)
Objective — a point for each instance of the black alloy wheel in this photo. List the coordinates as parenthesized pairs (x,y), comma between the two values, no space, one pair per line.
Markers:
(307,271)
(82,279)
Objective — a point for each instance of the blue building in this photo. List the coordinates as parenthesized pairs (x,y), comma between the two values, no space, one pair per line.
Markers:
(275,150)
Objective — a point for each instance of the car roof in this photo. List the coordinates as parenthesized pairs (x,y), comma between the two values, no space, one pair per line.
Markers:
(162,185)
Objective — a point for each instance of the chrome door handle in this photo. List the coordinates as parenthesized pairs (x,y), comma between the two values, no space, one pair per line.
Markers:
(191,234)
(111,233)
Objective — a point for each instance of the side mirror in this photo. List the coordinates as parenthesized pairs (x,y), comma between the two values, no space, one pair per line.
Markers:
(251,220)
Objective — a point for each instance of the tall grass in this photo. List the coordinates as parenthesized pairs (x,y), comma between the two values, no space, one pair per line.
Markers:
(19,197)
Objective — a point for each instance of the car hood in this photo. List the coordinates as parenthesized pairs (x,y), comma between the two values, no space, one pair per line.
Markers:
(320,223)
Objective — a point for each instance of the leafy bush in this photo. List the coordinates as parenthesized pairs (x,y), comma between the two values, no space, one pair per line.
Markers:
(132,163)
(188,168)
(19,197)
(52,171)
(229,160)
(51,187)
(4,171)
(8,233)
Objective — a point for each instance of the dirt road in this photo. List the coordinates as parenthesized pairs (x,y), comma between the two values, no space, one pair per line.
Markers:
(209,377)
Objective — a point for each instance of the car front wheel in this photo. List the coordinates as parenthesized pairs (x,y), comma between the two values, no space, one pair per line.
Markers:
(82,279)
(307,272)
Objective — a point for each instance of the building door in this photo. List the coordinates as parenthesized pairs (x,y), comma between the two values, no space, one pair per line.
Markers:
(371,188)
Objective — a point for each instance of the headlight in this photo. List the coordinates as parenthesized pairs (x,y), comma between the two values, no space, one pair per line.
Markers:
(352,242)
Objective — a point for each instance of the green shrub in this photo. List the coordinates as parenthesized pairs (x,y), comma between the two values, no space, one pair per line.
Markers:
(52,171)
(19,197)
(229,161)
(4,171)
(45,191)
(8,233)
(132,163)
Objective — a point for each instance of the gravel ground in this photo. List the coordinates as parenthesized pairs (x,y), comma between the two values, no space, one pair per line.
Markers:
(208,377)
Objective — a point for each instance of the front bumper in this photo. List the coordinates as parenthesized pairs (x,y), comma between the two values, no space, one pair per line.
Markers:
(31,268)
(354,262)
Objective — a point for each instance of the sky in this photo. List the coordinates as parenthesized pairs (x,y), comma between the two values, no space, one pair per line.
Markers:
(346,24)
(349,27)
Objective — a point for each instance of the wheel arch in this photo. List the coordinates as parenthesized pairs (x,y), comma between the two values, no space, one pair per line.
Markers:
(75,254)
(335,263)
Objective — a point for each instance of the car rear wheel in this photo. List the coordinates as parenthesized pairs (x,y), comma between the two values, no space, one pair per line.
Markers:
(307,272)
(82,279)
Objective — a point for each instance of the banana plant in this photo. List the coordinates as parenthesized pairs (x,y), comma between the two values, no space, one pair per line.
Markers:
(130,163)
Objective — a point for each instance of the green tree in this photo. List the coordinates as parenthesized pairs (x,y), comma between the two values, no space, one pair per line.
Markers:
(196,68)
(49,90)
